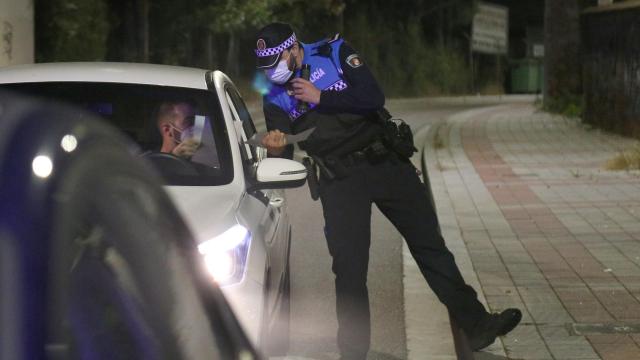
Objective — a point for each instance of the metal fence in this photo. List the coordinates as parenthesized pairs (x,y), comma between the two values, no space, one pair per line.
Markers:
(611,64)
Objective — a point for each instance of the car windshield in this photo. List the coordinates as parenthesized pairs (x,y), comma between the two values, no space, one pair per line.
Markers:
(180,130)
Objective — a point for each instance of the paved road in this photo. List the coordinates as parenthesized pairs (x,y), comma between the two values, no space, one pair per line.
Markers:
(313,298)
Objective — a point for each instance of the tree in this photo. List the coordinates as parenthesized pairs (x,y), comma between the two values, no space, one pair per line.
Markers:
(72,30)
(562,66)
(232,17)
(415,47)
(142,27)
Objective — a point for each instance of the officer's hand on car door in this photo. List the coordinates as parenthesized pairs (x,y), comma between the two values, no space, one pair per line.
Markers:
(274,141)
(304,90)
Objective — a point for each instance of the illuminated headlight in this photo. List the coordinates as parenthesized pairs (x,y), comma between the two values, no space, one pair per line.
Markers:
(225,256)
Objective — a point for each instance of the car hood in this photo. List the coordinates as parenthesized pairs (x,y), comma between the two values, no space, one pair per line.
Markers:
(208,210)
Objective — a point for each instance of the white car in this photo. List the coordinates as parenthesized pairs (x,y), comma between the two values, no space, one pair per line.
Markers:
(228,192)
(101,282)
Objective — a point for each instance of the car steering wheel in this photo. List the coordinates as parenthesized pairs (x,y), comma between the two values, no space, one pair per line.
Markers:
(170,165)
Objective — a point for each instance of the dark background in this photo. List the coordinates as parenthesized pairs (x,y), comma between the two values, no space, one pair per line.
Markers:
(414,47)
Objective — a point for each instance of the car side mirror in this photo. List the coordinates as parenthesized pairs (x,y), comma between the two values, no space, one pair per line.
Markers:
(277,173)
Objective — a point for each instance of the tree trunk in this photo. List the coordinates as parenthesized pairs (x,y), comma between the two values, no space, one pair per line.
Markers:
(450,16)
(208,48)
(130,43)
(142,29)
(441,25)
(339,15)
(340,22)
(562,65)
(232,56)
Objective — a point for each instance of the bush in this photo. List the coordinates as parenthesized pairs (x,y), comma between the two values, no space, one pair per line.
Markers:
(447,71)
(625,160)
(570,105)
(404,64)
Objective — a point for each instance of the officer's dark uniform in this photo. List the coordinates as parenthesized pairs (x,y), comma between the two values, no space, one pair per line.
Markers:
(346,122)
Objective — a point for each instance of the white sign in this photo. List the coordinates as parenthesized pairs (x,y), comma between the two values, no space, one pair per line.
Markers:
(538,50)
(16,32)
(490,29)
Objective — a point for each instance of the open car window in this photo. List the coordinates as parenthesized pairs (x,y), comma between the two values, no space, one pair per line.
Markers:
(135,110)
(245,127)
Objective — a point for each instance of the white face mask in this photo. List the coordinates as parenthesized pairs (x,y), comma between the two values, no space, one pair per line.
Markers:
(183,134)
(279,74)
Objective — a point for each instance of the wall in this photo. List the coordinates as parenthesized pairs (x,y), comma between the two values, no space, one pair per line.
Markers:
(16,32)
(611,65)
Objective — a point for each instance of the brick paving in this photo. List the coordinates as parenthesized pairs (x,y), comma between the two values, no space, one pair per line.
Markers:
(547,229)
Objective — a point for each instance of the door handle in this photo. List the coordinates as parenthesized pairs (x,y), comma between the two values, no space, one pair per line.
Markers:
(276,202)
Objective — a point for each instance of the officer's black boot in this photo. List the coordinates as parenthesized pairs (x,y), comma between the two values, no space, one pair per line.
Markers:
(354,324)
(487,330)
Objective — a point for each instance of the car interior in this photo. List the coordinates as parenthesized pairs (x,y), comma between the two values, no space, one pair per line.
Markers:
(133,109)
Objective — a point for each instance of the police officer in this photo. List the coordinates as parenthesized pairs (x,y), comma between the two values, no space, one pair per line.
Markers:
(358,169)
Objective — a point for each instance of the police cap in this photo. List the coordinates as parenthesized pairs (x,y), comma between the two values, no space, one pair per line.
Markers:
(273,39)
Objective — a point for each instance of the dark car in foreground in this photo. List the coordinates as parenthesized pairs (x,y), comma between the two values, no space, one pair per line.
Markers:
(95,261)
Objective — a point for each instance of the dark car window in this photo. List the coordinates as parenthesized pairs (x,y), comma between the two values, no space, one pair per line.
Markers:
(134,109)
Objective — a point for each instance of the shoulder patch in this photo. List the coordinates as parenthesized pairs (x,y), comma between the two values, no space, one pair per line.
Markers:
(354,61)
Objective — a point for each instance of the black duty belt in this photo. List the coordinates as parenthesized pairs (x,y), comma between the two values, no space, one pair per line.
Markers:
(355,158)
(374,153)
(331,167)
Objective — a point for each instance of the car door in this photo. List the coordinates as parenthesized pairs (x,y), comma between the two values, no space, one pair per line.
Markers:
(271,223)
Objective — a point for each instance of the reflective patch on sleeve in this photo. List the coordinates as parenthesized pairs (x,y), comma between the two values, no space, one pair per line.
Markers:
(354,61)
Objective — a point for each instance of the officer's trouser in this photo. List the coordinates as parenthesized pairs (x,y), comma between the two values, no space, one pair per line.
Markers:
(396,189)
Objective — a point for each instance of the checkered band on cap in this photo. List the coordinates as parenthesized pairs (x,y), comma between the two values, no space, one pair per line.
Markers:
(278,49)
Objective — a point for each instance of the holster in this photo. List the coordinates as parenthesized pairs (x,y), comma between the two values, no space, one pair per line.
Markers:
(399,138)
(328,167)
(331,167)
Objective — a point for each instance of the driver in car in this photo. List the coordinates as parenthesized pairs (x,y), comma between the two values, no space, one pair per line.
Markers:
(175,119)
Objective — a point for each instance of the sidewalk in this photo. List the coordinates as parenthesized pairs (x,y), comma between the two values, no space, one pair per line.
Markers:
(535,222)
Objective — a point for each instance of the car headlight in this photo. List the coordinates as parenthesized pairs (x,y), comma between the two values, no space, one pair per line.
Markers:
(225,256)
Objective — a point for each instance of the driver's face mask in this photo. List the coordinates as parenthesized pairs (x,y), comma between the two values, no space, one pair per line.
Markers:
(185,133)
(281,73)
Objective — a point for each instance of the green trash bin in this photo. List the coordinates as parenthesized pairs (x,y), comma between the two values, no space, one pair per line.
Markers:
(526,76)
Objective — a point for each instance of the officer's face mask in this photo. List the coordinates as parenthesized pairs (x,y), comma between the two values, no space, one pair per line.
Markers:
(281,73)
